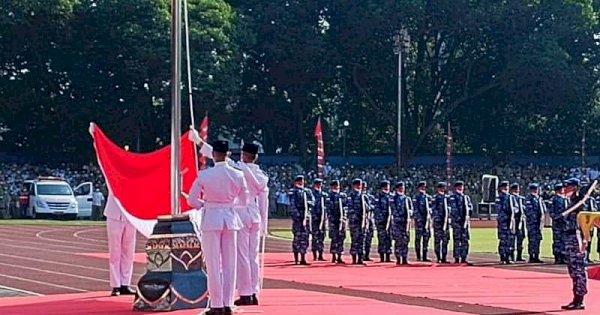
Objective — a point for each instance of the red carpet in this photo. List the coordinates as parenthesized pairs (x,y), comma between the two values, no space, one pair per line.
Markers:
(276,302)
(594,273)
(526,290)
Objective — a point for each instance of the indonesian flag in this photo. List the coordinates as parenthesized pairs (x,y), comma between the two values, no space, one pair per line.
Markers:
(320,149)
(204,136)
(139,184)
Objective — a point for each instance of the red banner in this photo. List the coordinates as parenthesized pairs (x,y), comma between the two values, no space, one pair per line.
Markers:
(320,149)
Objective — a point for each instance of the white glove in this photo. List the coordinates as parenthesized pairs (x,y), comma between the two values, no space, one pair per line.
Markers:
(195,137)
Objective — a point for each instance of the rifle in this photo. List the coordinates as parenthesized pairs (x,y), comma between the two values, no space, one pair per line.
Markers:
(341,212)
(467,215)
(428,213)
(322,213)
(389,220)
(583,200)
(409,210)
(445,213)
(364,211)
(512,213)
(542,206)
(306,212)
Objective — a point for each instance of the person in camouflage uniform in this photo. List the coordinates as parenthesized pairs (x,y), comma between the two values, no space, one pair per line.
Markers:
(318,220)
(559,204)
(518,204)
(461,208)
(572,237)
(383,217)
(505,223)
(402,207)
(358,206)
(336,215)
(535,211)
(422,216)
(370,225)
(441,223)
(301,199)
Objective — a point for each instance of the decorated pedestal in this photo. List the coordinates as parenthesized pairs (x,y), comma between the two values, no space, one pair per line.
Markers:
(175,278)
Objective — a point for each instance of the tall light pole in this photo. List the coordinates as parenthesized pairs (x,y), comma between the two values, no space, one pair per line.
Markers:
(345,125)
(401,44)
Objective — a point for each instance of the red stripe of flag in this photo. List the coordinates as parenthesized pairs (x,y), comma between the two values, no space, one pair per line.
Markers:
(320,149)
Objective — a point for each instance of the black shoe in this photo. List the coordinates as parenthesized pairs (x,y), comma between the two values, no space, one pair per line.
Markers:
(339,260)
(296,258)
(388,258)
(354,259)
(418,256)
(520,257)
(320,258)
(227,310)
(465,261)
(456,260)
(115,292)
(126,290)
(398,260)
(425,256)
(333,258)
(360,261)
(404,261)
(367,257)
(381,257)
(303,262)
(576,304)
(244,300)
(314,255)
(254,299)
(214,311)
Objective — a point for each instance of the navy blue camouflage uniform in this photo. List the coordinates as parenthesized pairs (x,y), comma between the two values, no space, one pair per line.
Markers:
(383,216)
(535,211)
(461,206)
(336,216)
(441,225)
(357,211)
(518,235)
(370,225)
(559,204)
(318,219)
(504,219)
(401,214)
(576,260)
(301,199)
(422,216)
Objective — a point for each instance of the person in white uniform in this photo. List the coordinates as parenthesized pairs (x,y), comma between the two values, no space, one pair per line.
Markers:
(222,186)
(121,249)
(254,220)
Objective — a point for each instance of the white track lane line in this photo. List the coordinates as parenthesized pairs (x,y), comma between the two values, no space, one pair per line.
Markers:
(77,249)
(41,233)
(56,273)
(20,290)
(39,236)
(55,262)
(76,235)
(43,283)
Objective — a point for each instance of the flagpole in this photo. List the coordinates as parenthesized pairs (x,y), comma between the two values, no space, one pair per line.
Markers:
(175,106)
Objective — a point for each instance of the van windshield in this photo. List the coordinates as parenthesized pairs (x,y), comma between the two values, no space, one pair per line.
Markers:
(54,190)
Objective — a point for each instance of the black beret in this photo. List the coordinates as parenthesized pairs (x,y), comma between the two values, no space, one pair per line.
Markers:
(573,182)
(514,186)
(318,181)
(504,184)
(459,183)
(335,182)
(558,186)
(357,181)
(250,148)
(220,146)
(299,178)
(441,185)
(400,184)
(533,186)
(384,183)
(422,184)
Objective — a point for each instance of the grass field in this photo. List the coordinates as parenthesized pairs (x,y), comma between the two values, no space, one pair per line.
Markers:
(483,240)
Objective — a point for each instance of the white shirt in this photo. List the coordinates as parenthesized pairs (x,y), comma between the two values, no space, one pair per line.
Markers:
(97,199)
(258,201)
(222,186)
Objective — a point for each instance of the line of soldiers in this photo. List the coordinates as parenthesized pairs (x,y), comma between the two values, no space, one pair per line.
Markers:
(388,212)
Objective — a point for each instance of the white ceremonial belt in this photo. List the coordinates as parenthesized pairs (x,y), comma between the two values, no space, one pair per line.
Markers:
(218,205)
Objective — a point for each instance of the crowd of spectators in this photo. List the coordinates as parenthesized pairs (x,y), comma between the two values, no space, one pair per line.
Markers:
(281,177)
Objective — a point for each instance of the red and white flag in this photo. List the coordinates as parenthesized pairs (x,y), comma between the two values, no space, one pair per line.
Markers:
(139,184)
(204,136)
(320,149)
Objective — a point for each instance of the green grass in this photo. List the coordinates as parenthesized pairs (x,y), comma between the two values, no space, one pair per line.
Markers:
(52,222)
(483,240)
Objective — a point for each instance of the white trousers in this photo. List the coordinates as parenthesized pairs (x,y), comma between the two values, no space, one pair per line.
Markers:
(248,262)
(219,249)
(121,248)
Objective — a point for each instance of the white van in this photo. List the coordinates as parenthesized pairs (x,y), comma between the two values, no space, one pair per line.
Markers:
(84,196)
(51,196)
